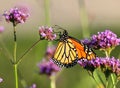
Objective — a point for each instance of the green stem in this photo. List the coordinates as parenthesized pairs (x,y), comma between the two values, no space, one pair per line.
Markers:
(14,58)
(16,76)
(84,19)
(47,22)
(47,12)
(107,53)
(53,85)
(20,59)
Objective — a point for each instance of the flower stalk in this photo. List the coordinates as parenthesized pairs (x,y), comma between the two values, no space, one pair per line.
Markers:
(108,52)
(15,16)
(15,59)
(53,78)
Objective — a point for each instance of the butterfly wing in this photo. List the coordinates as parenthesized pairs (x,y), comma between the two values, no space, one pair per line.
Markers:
(68,53)
(79,47)
(90,54)
(65,54)
(83,50)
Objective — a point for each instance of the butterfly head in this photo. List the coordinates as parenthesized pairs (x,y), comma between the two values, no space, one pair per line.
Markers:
(64,36)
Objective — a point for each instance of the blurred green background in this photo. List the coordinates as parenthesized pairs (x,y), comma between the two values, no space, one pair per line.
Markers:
(80,17)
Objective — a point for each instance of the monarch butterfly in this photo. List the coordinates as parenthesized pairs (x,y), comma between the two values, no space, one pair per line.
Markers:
(69,50)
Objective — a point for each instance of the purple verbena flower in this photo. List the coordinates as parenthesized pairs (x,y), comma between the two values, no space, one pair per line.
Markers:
(106,64)
(105,40)
(1,29)
(50,51)
(15,15)
(33,86)
(47,33)
(48,68)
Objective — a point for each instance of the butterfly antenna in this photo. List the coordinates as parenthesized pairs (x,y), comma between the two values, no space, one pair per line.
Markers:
(58,27)
(64,31)
(58,33)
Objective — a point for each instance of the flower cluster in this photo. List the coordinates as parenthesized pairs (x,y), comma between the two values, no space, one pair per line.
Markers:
(103,40)
(48,68)
(15,15)
(46,33)
(106,41)
(106,64)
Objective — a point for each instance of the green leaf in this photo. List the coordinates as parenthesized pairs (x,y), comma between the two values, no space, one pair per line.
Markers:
(100,77)
(112,81)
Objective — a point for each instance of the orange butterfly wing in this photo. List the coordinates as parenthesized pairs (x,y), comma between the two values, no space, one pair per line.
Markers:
(80,48)
(83,50)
